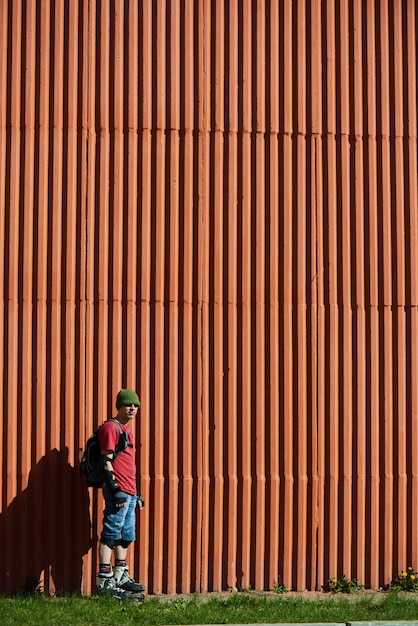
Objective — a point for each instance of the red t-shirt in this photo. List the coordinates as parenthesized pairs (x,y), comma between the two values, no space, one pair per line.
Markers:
(124,465)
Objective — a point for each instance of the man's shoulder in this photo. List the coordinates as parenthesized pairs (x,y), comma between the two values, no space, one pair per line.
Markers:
(110,426)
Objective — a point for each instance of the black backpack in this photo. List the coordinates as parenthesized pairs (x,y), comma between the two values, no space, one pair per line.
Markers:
(92,453)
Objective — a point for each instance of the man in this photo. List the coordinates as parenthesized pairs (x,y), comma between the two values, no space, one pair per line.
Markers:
(121,499)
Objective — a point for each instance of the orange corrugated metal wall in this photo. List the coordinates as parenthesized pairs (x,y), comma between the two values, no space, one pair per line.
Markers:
(214,202)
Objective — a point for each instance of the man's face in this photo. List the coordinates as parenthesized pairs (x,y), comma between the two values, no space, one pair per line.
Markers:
(128,411)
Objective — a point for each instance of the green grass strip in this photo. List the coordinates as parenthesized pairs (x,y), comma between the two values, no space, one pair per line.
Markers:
(239,608)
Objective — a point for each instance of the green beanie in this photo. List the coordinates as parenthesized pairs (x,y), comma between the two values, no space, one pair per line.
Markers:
(126,396)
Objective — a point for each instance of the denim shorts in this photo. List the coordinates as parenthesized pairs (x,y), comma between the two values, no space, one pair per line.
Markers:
(119,523)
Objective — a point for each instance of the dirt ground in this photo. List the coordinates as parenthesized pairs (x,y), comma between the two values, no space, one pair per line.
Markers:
(309,595)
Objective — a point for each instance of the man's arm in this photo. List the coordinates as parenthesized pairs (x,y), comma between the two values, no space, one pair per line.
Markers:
(107,465)
(109,478)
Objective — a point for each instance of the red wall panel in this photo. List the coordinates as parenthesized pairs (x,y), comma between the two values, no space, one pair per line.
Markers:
(215,203)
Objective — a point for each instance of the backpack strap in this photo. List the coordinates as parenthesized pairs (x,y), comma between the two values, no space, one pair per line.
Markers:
(123,439)
(115,421)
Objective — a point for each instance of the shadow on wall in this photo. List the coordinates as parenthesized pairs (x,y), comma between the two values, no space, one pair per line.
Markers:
(46,530)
